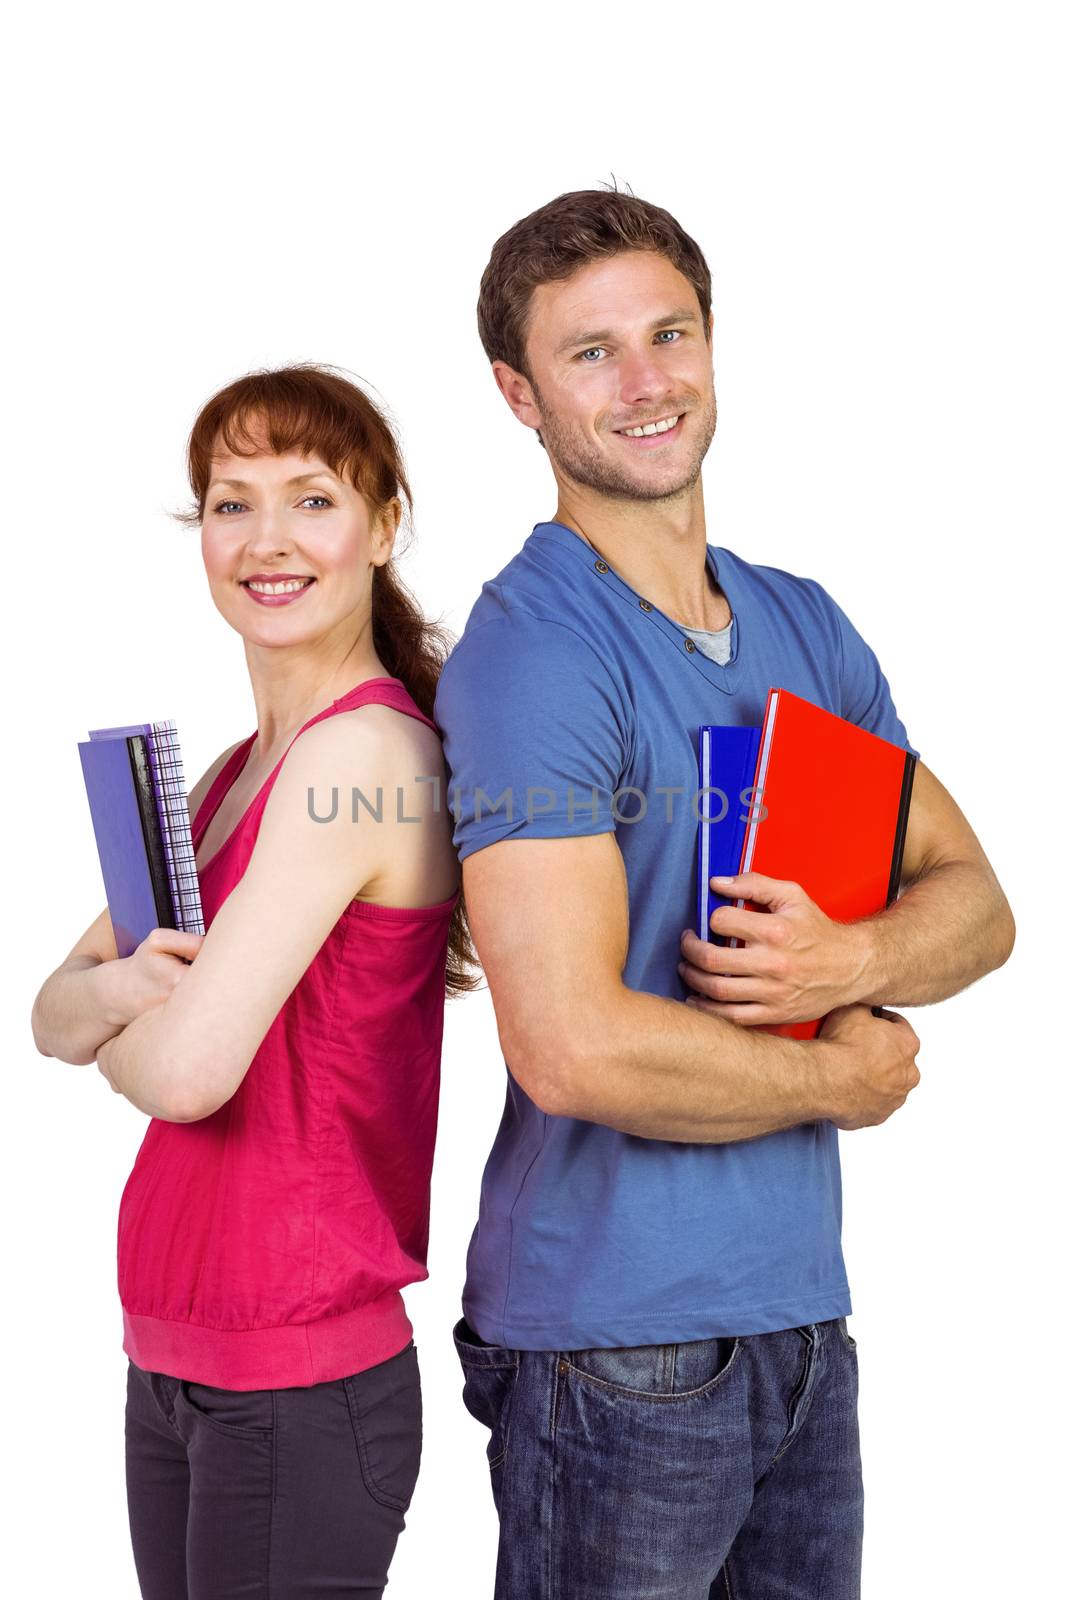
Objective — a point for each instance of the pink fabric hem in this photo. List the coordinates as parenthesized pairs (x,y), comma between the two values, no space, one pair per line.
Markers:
(370,908)
(293,1356)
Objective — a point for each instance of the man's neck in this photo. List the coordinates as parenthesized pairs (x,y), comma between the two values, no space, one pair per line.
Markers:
(658,547)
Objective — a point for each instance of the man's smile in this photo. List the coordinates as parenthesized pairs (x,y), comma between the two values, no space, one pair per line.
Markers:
(661,431)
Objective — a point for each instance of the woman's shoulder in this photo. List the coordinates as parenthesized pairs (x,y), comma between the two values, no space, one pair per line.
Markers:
(368,748)
(373,733)
(365,763)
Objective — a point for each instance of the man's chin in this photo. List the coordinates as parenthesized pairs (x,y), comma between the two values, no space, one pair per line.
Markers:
(664,489)
(646,487)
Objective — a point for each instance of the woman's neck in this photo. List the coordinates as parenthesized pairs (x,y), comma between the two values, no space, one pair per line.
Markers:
(289,689)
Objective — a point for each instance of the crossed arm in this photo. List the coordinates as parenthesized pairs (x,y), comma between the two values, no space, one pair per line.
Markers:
(581,1044)
(177,1040)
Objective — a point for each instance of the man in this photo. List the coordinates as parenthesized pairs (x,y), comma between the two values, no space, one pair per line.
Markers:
(655,1307)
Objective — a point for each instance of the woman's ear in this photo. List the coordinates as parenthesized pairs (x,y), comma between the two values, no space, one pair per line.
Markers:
(384,530)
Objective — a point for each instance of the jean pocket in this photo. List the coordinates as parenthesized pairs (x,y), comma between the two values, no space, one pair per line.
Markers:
(489,1373)
(849,1341)
(662,1373)
(240,1413)
(385,1405)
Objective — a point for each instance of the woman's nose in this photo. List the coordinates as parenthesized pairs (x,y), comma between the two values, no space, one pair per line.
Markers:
(270,534)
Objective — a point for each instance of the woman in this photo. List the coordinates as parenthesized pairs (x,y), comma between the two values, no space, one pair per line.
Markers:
(289,1057)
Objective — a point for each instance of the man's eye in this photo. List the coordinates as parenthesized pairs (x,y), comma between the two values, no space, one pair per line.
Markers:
(594,350)
(228,507)
(322,499)
(670,335)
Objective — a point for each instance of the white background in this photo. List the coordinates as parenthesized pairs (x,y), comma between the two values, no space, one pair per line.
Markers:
(197,191)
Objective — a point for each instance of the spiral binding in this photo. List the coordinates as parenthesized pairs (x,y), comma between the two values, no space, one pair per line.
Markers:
(168,779)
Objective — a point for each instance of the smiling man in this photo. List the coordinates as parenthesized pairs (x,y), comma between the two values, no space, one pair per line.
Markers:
(654,1318)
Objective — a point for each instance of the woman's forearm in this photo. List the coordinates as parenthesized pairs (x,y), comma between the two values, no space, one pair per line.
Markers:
(139,1065)
(76,1011)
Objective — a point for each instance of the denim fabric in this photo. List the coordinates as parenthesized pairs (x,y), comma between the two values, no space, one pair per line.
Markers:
(279,1493)
(723,1469)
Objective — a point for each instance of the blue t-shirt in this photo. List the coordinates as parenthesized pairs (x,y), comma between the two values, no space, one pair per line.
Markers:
(567,682)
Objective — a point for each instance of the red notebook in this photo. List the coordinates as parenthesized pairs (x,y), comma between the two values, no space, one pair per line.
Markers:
(832,815)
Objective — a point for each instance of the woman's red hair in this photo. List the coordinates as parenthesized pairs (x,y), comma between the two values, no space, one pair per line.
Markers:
(315,411)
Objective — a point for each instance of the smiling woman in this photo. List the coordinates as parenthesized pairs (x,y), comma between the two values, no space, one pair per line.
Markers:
(290,1057)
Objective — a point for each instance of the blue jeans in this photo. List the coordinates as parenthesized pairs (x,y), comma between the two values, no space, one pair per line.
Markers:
(724,1469)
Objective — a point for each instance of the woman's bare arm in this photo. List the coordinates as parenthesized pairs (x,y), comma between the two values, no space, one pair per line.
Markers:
(186,1057)
(94,993)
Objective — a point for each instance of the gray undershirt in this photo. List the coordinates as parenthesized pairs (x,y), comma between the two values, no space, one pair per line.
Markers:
(712,642)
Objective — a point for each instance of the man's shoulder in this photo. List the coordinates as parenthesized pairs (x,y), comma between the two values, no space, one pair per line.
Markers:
(780,580)
(805,599)
(529,606)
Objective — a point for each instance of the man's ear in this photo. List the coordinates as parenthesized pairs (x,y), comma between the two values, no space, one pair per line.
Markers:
(518,393)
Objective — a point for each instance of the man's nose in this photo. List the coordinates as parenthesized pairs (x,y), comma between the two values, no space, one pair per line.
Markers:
(642,379)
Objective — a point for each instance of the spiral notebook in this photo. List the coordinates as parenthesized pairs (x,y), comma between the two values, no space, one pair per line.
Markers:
(135,784)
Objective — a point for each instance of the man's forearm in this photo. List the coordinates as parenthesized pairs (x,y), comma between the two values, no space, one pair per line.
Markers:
(657,1068)
(74,1013)
(948,928)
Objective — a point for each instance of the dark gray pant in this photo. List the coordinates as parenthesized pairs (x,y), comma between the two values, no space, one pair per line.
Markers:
(274,1493)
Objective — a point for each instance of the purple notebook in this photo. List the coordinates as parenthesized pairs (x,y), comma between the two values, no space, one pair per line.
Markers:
(136,789)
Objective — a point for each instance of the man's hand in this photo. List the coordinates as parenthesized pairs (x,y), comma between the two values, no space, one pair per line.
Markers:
(797,963)
(869,1065)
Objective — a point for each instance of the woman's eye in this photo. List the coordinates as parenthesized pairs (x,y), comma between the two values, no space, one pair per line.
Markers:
(320,499)
(228,507)
(594,350)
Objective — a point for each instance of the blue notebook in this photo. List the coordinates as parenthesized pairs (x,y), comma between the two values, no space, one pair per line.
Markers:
(136,790)
(727,764)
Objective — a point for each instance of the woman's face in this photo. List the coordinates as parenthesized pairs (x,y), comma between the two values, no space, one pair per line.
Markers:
(290,548)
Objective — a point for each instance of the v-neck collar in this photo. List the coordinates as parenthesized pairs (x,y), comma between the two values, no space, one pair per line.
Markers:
(725,675)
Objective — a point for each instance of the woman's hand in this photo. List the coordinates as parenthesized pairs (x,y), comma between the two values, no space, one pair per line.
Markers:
(143,981)
(140,982)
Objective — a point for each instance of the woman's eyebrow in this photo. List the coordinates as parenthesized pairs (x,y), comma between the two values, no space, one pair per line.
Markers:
(290,483)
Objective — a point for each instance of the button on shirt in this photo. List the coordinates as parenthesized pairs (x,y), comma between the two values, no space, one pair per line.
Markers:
(569,707)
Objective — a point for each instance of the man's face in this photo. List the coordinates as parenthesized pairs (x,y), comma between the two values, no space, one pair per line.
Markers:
(619,346)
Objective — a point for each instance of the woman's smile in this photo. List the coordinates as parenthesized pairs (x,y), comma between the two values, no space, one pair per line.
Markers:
(275,591)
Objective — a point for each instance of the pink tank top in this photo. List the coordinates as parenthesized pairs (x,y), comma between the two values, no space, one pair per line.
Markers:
(265,1246)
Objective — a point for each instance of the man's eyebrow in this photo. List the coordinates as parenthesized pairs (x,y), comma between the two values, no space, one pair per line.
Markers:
(673,319)
(602,335)
(290,483)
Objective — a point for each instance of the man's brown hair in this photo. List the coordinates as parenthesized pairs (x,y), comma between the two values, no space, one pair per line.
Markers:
(559,238)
